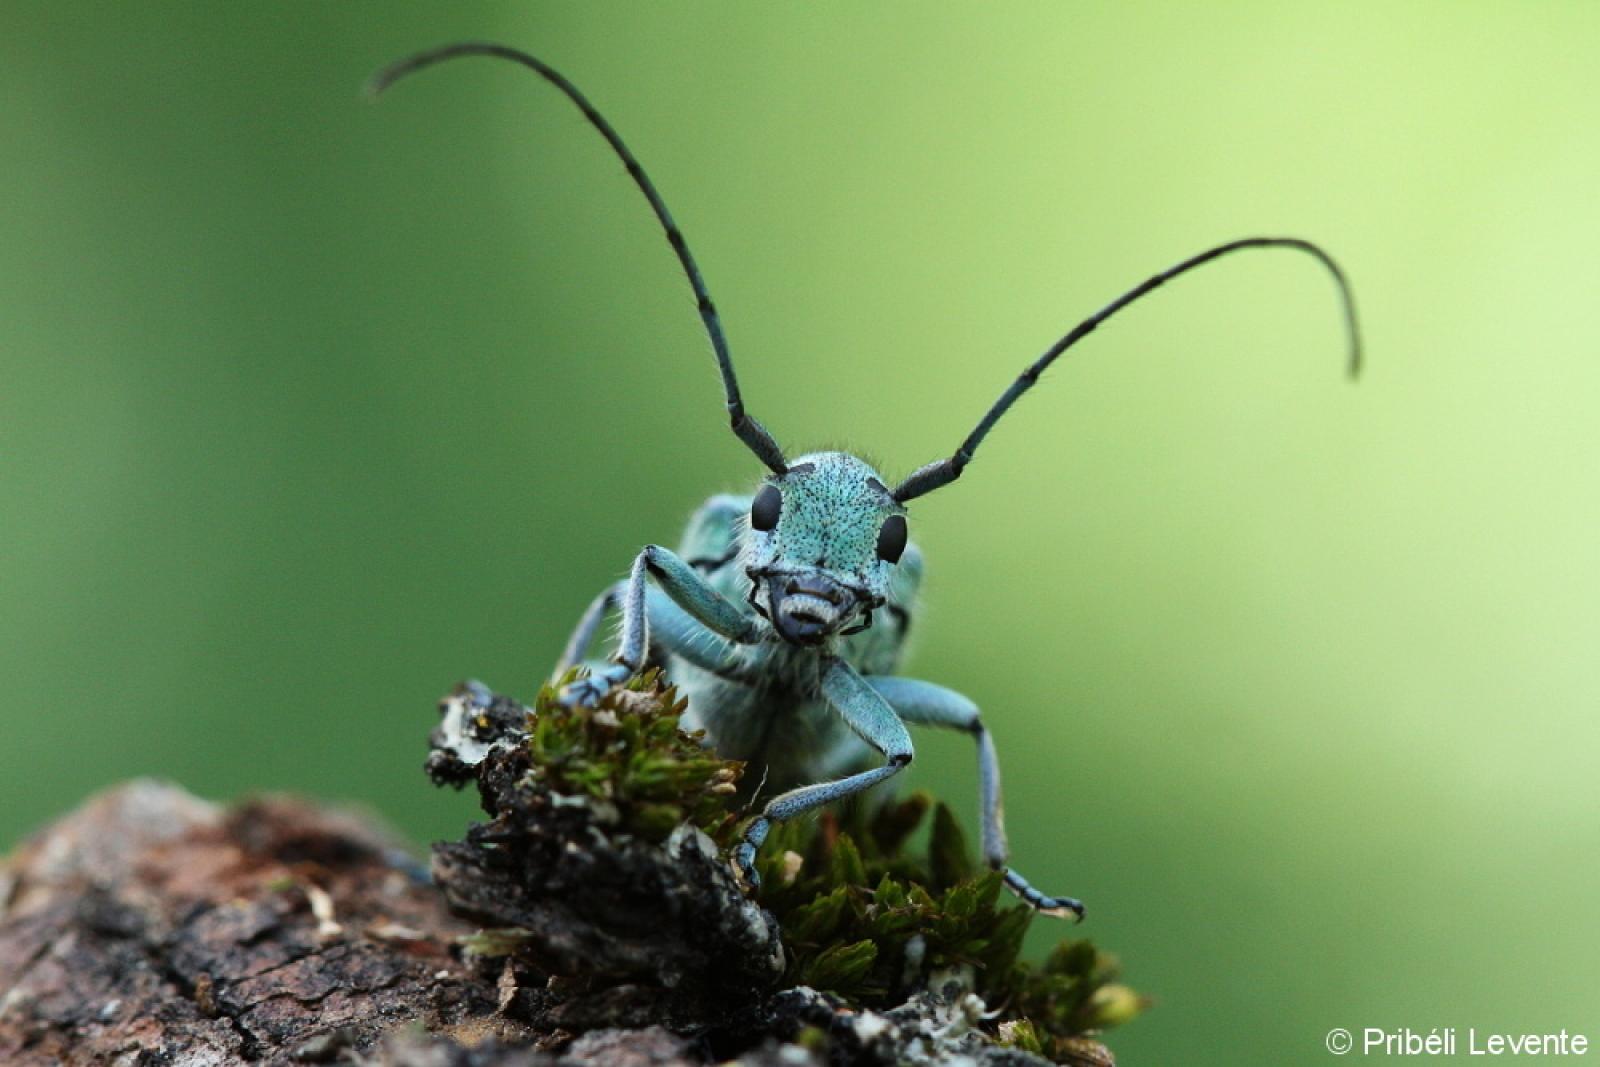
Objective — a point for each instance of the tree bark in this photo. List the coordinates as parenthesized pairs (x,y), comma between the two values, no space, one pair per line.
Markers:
(153,927)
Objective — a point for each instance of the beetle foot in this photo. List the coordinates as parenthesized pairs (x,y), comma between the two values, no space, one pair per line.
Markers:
(744,867)
(588,691)
(1057,907)
(744,857)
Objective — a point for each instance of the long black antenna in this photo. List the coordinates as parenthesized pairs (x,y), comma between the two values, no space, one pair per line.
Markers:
(943,472)
(751,432)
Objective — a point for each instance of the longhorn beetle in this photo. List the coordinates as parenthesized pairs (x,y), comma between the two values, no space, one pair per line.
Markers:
(783,615)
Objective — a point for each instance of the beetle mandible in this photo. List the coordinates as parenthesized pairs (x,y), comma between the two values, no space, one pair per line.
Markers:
(783,615)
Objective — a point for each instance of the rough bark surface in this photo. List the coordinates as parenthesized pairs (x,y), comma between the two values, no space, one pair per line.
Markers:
(153,927)
(603,927)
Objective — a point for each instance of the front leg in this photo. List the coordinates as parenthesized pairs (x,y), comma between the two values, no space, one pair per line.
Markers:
(589,625)
(871,717)
(689,591)
(928,704)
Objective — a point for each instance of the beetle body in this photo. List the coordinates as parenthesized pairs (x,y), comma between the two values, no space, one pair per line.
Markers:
(782,618)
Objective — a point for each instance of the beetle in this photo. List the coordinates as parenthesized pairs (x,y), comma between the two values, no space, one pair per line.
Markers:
(782,616)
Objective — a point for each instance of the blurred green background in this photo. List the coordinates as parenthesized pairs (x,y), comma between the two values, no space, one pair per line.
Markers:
(311,408)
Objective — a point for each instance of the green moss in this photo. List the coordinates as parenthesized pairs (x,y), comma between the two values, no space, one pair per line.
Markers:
(629,754)
(495,942)
(864,915)
(868,918)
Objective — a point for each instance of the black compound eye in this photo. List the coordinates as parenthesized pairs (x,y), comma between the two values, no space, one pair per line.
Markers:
(766,509)
(892,538)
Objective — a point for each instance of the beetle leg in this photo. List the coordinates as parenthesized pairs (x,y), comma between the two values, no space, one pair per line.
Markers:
(927,704)
(689,590)
(583,634)
(869,715)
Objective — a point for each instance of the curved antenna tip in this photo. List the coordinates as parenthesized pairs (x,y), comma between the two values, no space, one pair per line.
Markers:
(380,80)
(1353,327)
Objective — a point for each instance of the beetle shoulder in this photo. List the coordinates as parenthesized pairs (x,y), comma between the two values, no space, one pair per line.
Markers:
(711,540)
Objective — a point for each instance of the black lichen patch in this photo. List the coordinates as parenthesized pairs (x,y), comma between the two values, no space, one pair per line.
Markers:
(602,878)
(594,874)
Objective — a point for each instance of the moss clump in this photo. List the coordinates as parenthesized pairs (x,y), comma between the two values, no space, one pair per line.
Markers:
(628,754)
(863,915)
(872,920)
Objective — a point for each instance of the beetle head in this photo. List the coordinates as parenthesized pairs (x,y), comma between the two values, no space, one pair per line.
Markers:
(823,543)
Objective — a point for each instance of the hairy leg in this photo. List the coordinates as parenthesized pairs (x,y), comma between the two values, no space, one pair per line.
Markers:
(927,704)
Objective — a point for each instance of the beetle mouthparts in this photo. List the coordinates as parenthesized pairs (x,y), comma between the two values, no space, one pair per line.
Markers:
(807,608)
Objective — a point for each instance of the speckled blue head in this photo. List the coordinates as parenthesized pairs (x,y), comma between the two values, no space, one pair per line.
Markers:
(823,541)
